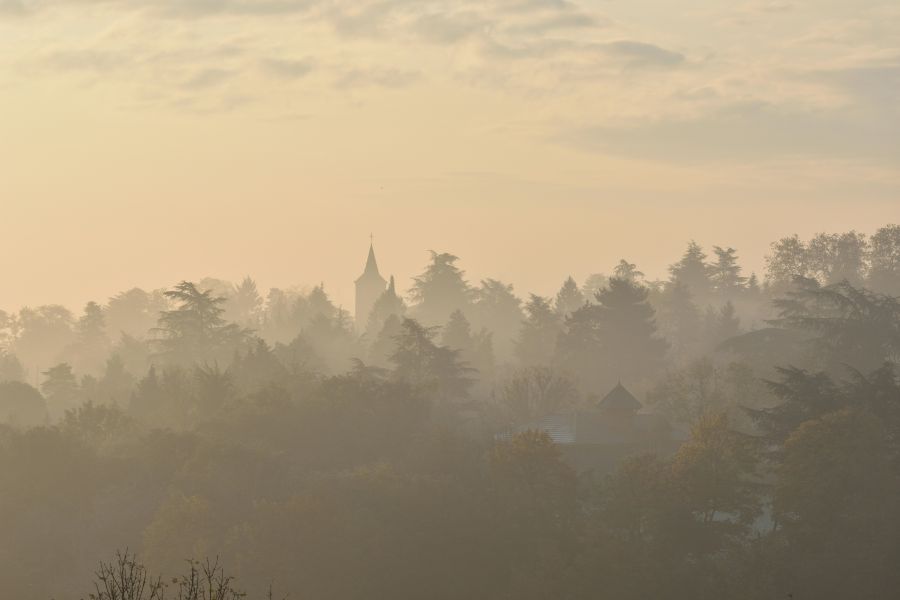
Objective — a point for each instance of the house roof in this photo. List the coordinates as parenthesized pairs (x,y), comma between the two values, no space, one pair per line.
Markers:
(620,400)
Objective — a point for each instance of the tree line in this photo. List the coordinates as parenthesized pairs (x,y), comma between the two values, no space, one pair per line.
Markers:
(336,462)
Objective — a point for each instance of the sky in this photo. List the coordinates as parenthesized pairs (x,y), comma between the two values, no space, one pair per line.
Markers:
(143,142)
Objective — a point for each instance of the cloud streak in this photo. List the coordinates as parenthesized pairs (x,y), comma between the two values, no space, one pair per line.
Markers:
(288,69)
(741,133)
(166,8)
(642,54)
(381,78)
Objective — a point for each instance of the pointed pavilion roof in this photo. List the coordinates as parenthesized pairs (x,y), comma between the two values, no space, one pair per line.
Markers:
(620,400)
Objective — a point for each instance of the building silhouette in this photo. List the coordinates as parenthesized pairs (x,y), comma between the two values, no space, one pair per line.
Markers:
(369,288)
(597,437)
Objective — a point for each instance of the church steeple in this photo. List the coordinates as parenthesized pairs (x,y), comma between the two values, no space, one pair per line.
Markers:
(369,287)
(371,264)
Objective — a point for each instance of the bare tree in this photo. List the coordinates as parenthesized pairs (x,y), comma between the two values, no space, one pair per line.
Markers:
(126,579)
(207,581)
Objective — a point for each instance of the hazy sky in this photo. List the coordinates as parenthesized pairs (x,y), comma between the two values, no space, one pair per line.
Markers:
(147,141)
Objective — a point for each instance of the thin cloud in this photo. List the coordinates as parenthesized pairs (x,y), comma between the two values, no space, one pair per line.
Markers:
(382,78)
(207,78)
(642,54)
(170,8)
(561,22)
(741,132)
(874,84)
(288,69)
(450,28)
(13,8)
(368,21)
(91,60)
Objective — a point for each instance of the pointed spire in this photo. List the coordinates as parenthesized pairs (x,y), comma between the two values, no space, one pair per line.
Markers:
(370,287)
(371,270)
(371,263)
(391,288)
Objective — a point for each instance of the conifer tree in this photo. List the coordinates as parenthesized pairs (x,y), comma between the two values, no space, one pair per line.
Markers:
(613,339)
(91,327)
(679,317)
(436,370)
(536,344)
(475,348)
(753,288)
(196,330)
(568,299)
(61,389)
(884,272)
(725,273)
(692,271)
(384,344)
(627,271)
(10,368)
(498,309)
(439,290)
(245,304)
(457,333)
(389,304)
(628,325)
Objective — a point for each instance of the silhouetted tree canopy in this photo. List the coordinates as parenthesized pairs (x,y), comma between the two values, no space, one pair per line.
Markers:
(470,446)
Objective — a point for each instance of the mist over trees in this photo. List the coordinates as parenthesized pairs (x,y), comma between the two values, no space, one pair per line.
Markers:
(718,434)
